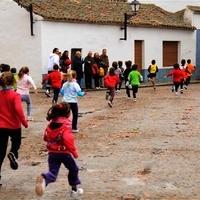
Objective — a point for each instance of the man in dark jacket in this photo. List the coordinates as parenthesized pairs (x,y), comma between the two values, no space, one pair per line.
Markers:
(88,70)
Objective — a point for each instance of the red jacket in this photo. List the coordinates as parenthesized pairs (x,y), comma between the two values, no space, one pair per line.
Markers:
(177,74)
(11,112)
(60,140)
(111,81)
(55,78)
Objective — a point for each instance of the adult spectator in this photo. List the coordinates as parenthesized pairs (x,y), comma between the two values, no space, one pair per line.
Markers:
(88,61)
(105,60)
(96,69)
(53,59)
(65,62)
(77,66)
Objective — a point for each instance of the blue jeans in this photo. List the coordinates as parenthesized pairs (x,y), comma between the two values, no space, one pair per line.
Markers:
(55,160)
(27,99)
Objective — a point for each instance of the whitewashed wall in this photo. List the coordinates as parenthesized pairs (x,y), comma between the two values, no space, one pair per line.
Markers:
(17,47)
(96,37)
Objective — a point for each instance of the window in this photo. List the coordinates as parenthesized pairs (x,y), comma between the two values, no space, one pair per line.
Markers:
(170,53)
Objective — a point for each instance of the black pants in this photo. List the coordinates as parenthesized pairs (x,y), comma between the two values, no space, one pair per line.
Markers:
(187,82)
(88,81)
(176,84)
(74,109)
(96,80)
(56,94)
(135,90)
(15,135)
(128,91)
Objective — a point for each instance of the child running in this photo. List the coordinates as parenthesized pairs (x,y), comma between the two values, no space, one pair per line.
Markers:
(70,91)
(60,144)
(14,72)
(177,77)
(125,74)
(134,78)
(153,69)
(23,85)
(110,81)
(55,78)
(11,118)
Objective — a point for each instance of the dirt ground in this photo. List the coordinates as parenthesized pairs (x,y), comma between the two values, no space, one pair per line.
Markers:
(147,150)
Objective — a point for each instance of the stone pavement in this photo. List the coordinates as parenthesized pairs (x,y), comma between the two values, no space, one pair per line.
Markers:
(147,150)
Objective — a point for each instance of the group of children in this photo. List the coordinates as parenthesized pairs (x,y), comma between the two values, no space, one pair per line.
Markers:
(181,75)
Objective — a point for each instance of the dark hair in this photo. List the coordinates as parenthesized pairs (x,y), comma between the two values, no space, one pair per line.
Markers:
(22,71)
(183,62)
(188,61)
(4,67)
(63,57)
(134,67)
(55,67)
(153,62)
(13,70)
(114,64)
(120,63)
(128,64)
(176,66)
(58,110)
(112,71)
(54,50)
(6,78)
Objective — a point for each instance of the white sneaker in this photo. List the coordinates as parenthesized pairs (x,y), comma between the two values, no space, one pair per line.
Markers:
(97,88)
(135,99)
(75,130)
(118,91)
(128,98)
(110,104)
(185,87)
(40,185)
(0,182)
(177,93)
(29,118)
(77,193)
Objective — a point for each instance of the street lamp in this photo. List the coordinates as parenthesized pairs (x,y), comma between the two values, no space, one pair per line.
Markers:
(135,5)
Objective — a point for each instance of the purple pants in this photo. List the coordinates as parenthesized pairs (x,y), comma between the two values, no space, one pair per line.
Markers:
(55,160)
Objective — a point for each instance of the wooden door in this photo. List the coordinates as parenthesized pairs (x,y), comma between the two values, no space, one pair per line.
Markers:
(138,54)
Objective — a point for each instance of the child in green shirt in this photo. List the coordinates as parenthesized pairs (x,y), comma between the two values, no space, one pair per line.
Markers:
(14,72)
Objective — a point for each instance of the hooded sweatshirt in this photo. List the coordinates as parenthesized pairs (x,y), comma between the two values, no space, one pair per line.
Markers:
(53,59)
(59,138)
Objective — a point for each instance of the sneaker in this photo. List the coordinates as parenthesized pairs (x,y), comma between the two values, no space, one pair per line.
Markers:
(176,93)
(135,99)
(149,79)
(154,88)
(47,94)
(185,87)
(40,185)
(181,91)
(107,95)
(110,104)
(54,103)
(29,118)
(97,88)
(75,130)
(128,98)
(118,91)
(77,193)
(13,161)
(0,182)
(172,88)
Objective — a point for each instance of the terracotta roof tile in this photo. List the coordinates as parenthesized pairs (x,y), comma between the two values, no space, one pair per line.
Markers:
(195,9)
(104,12)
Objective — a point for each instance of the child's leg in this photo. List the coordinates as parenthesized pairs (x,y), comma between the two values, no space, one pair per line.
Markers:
(112,94)
(71,165)
(3,145)
(135,90)
(55,96)
(54,162)
(176,86)
(27,99)
(74,108)
(128,91)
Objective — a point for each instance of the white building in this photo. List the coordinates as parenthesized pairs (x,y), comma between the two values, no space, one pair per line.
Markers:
(153,33)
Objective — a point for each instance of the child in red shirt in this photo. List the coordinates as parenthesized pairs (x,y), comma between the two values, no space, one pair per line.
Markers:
(11,119)
(62,150)
(55,78)
(178,75)
(110,81)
